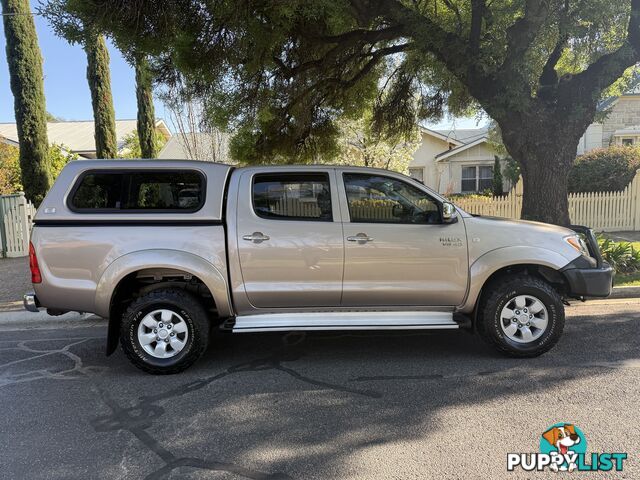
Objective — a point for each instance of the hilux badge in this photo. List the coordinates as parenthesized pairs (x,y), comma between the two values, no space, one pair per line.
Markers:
(451,241)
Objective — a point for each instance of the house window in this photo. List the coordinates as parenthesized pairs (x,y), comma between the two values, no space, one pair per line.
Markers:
(417,173)
(627,142)
(476,179)
(485,178)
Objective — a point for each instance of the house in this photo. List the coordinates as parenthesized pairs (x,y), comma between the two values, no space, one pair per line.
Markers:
(206,146)
(461,161)
(455,161)
(619,123)
(78,136)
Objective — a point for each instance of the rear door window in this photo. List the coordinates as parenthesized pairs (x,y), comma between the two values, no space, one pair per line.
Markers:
(293,196)
(153,191)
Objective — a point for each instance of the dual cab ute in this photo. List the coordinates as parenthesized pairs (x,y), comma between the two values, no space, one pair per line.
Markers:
(167,250)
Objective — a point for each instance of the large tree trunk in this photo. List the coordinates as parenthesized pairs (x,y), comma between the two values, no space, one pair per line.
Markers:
(146,114)
(99,79)
(545,146)
(25,71)
(544,178)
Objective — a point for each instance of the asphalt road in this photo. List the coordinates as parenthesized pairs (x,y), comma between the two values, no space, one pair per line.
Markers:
(324,406)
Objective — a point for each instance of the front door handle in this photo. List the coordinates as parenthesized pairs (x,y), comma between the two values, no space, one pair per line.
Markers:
(256,237)
(360,238)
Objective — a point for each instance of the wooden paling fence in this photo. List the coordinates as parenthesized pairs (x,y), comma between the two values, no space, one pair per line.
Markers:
(602,211)
(295,208)
(16,218)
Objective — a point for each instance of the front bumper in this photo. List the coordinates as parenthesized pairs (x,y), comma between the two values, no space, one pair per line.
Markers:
(588,276)
(589,282)
(30,302)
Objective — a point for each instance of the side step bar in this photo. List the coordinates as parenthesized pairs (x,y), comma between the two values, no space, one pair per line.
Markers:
(282,322)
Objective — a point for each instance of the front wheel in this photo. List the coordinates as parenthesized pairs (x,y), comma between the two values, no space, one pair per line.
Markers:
(164,331)
(521,316)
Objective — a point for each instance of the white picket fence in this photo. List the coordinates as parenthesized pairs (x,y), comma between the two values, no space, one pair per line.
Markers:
(602,211)
(16,219)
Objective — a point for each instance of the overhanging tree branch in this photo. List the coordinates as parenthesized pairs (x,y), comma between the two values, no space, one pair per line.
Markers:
(609,67)
(521,35)
(475,33)
(456,11)
(451,49)
(549,75)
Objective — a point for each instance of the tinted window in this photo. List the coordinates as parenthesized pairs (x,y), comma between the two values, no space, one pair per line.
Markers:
(160,191)
(379,199)
(293,196)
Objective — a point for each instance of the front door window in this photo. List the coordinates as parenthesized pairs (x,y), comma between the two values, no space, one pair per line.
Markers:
(380,199)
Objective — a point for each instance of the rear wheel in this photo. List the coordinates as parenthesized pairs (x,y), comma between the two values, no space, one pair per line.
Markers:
(521,316)
(164,331)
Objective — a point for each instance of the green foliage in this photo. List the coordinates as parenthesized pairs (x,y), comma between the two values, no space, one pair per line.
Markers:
(497,187)
(26,78)
(10,179)
(131,145)
(99,78)
(146,113)
(622,256)
(67,25)
(284,74)
(604,169)
(484,195)
(281,74)
(511,171)
(361,145)
(53,118)
(59,156)
(10,172)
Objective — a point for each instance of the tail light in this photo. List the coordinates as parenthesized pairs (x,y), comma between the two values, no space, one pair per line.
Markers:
(33,265)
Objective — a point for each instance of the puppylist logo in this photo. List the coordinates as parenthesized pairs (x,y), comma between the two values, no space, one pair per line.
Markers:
(563,448)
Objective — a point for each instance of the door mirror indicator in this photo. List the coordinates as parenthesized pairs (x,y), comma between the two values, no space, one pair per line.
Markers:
(449,213)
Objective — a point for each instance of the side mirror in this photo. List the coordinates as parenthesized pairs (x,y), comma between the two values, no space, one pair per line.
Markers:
(448,213)
(397,210)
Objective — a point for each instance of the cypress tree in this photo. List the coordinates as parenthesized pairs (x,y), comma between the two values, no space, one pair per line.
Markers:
(99,80)
(75,31)
(146,114)
(25,71)
(498,189)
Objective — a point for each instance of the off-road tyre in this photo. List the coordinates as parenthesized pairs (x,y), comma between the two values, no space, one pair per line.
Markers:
(496,296)
(184,304)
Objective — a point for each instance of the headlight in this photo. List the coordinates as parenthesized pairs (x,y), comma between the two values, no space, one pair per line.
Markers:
(578,243)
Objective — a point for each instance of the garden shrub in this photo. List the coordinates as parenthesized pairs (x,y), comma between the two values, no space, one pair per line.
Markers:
(622,256)
(604,169)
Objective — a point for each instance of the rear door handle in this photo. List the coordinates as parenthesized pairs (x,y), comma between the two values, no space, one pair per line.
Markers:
(256,237)
(360,238)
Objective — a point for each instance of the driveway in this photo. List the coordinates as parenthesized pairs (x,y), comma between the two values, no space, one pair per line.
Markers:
(15,281)
(321,406)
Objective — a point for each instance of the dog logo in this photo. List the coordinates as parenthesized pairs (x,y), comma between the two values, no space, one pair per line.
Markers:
(563,448)
(564,438)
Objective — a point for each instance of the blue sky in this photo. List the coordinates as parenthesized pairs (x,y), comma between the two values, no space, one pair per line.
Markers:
(65,82)
(66,90)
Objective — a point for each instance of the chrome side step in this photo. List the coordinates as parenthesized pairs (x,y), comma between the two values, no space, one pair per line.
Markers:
(282,322)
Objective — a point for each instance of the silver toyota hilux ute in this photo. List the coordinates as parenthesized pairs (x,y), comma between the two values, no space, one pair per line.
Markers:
(167,250)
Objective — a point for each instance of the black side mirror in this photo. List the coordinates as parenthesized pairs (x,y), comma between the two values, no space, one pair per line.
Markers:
(397,210)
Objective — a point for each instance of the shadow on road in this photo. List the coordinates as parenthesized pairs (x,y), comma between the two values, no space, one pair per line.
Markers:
(275,406)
